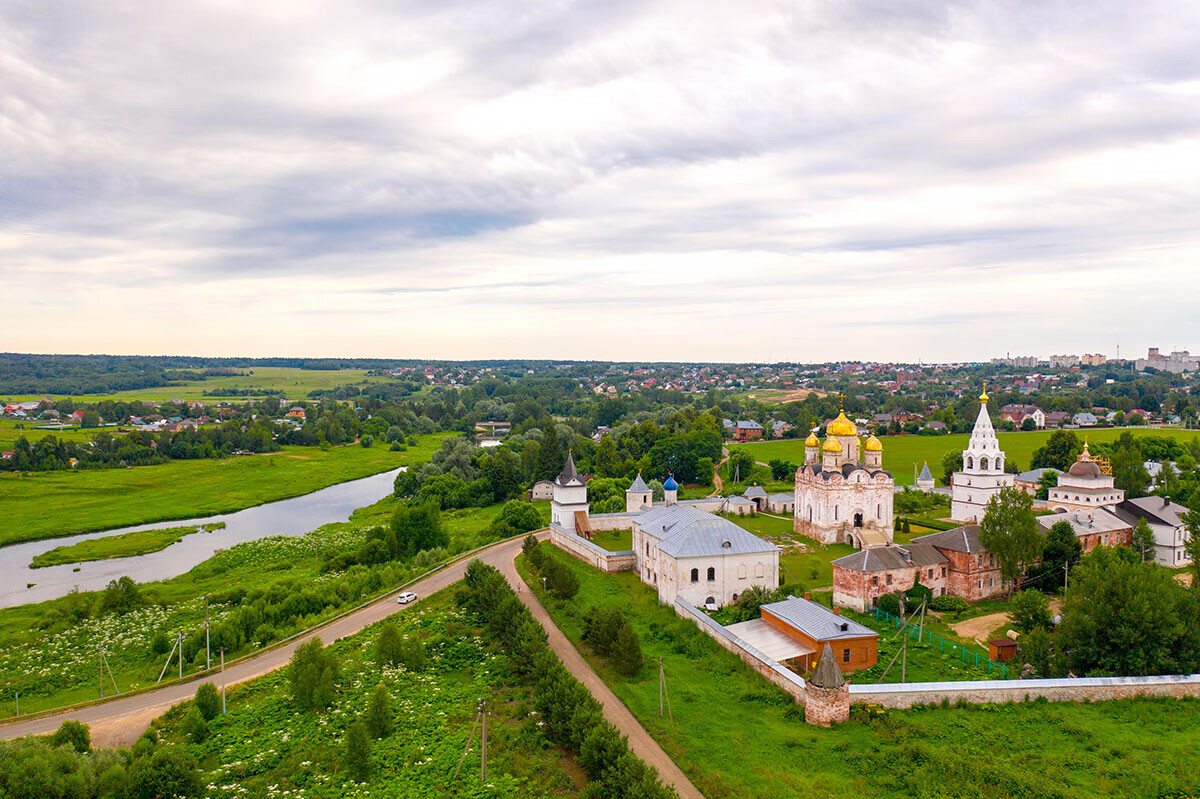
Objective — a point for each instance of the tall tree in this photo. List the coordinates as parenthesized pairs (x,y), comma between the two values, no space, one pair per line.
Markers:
(1009,531)
(313,673)
(1143,540)
(1128,472)
(550,458)
(1059,452)
(419,527)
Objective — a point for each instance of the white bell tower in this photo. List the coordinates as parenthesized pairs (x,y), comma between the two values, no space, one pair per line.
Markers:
(982,474)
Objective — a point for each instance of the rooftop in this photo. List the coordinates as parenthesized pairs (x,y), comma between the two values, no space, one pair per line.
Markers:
(817,621)
(687,532)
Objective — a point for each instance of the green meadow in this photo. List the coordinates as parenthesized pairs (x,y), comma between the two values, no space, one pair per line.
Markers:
(41,505)
(738,737)
(902,453)
(138,542)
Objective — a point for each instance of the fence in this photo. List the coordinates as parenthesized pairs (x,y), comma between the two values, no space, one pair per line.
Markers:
(916,633)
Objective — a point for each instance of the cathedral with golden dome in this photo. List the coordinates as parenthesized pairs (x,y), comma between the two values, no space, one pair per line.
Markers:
(843,494)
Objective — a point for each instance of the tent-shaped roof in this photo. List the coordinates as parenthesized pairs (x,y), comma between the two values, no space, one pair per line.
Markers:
(638,486)
(569,477)
(827,675)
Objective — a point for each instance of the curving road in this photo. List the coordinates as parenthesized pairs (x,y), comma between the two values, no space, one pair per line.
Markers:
(119,722)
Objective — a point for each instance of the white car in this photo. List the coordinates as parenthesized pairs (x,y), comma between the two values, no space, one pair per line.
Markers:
(406,597)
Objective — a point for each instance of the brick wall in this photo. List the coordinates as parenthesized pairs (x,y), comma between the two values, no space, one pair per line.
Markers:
(824,707)
(858,590)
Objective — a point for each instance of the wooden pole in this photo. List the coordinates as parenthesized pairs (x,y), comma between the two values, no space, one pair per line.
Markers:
(483,759)
(222,681)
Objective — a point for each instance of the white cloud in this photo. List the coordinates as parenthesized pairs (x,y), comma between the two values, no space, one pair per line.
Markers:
(651,179)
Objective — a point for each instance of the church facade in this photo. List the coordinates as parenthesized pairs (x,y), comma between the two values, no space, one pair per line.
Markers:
(983,474)
(843,494)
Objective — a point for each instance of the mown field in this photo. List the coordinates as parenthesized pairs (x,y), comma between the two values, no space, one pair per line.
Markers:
(902,453)
(48,653)
(295,383)
(266,746)
(41,505)
(11,430)
(736,736)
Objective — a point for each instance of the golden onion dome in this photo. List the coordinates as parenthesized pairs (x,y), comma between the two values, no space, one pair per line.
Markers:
(874,445)
(812,440)
(983,397)
(832,445)
(841,426)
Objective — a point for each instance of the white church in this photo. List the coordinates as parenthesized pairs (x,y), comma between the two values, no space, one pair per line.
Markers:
(983,474)
(681,548)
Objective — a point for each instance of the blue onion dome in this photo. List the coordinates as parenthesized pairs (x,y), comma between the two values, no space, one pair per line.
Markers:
(670,485)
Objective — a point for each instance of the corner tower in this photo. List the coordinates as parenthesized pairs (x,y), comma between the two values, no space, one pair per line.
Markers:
(570,496)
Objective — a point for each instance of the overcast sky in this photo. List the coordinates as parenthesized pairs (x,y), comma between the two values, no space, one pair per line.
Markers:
(611,179)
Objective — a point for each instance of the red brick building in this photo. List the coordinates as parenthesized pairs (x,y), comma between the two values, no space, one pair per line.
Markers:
(855,646)
(973,572)
(861,578)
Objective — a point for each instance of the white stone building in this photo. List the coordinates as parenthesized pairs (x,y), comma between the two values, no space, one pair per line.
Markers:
(1087,485)
(840,497)
(982,475)
(1164,519)
(685,552)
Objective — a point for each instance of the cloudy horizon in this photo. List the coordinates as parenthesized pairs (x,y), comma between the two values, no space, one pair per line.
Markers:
(600,180)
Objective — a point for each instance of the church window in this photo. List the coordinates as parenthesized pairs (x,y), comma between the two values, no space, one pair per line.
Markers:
(695,575)
(742,571)
(889,579)
(758,570)
(712,573)
(980,561)
(983,463)
(835,512)
(970,462)
(980,583)
(879,511)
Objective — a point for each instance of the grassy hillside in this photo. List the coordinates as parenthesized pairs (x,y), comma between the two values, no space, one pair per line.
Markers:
(738,737)
(901,453)
(53,504)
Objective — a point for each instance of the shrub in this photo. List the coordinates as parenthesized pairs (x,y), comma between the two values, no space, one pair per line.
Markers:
(194,726)
(627,652)
(948,604)
(1029,610)
(889,603)
(208,701)
(380,717)
(170,771)
(561,581)
(358,751)
(74,734)
(914,596)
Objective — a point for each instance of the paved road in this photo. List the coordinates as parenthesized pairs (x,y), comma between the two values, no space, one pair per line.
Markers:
(119,722)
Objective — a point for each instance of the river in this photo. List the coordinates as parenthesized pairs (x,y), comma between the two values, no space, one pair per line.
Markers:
(294,516)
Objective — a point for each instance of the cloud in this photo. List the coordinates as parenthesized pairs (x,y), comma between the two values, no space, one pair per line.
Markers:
(599,179)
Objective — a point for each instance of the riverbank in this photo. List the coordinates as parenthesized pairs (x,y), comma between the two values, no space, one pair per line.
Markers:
(128,545)
(40,505)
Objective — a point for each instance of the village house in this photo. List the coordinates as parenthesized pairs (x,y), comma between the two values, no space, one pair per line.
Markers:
(542,490)
(1017,413)
(1030,481)
(747,430)
(1057,418)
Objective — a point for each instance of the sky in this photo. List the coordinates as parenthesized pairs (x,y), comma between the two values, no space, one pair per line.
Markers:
(649,180)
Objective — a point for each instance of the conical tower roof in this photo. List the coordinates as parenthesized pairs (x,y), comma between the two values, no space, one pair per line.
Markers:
(569,476)
(827,674)
(638,486)
(925,474)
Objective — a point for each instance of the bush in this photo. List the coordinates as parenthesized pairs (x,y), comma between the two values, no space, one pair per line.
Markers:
(194,726)
(627,652)
(380,717)
(208,701)
(74,734)
(367,440)
(170,771)
(889,603)
(1029,610)
(914,596)
(948,604)
(358,751)
(600,628)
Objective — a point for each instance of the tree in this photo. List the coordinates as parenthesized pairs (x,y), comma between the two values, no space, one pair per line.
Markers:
(121,595)
(194,726)
(517,516)
(366,440)
(1060,551)
(1124,617)
(169,772)
(1040,650)
(313,673)
(1047,481)
(1028,424)
(208,701)
(1029,610)
(550,458)
(89,419)
(740,466)
(561,581)
(74,734)
(627,652)
(418,527)
(951,463)
(1061,449)
(393,649)
(1127,470)
(1191,525)
(1143,540)
(1009,531)
(358,751)
(380,717)
(782,470)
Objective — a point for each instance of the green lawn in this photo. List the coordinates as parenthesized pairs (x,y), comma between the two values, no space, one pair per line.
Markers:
(266,746)
(614,540)
(125,545)
(804,563)
(738,737)
(296,383)
(902,453)
(41,505)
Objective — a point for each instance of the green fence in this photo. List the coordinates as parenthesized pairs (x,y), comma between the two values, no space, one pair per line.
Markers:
(981,662)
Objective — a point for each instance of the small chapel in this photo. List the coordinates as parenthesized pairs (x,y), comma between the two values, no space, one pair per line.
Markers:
(843,494)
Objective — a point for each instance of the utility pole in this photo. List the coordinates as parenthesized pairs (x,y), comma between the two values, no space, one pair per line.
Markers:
(222,681)
(180,640)
(18,697)
(207,648)
(1067,572)
(483,759)
(662,685)
(101,659)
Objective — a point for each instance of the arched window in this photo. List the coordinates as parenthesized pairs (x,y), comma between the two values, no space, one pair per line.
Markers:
(970,462)
(810,513)
(879,511)
(983,463)
(835,512)
(712,574)
(695,575)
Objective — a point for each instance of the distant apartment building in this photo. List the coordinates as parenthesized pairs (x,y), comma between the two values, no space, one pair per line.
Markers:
(1062,361)
(1094,359)
(1027,361)
(1177,362)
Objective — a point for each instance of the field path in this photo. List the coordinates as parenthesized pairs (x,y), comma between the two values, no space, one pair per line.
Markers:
(119,722)
(640,742)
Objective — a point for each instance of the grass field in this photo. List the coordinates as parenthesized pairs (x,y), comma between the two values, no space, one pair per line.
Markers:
(41,505)
(295,383)
(266,746)
(614,540)
(11,430)
(736,736)
(902,453)
(126,545)
(48,656)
